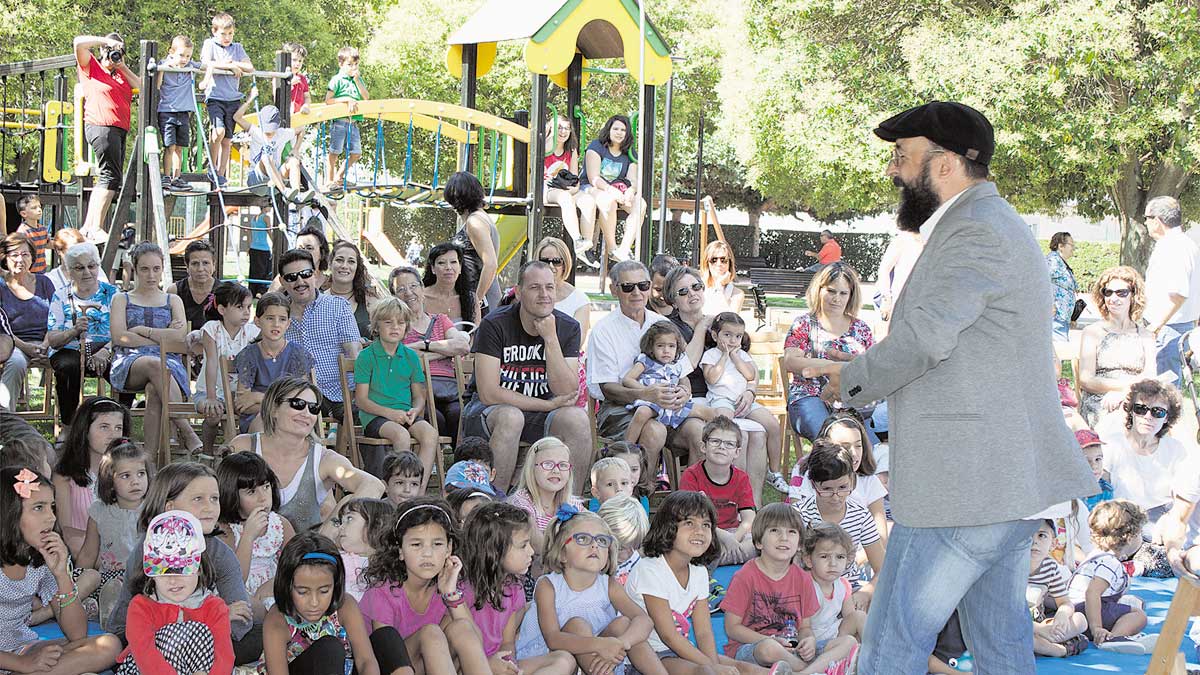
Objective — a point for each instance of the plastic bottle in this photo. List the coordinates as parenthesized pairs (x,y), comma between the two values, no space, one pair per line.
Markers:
(789,632)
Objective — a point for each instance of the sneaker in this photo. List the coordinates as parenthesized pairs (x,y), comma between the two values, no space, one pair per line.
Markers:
(1077,645)
(781,668)
(777,481)
(178,183)
(847,665)
(621,255)
(222,181)
(583,253)
(716,594)
(166,182)
(1124,645)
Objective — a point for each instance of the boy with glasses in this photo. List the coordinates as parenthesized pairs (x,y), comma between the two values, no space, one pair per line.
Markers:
(728,487)
(831,470)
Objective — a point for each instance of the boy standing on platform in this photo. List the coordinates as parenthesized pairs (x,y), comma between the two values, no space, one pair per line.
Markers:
(345,87)
(301,98)
(175,104)
(29,207)
(226,62)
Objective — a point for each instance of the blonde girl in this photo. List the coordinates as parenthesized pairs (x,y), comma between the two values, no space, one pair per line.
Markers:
(545,484)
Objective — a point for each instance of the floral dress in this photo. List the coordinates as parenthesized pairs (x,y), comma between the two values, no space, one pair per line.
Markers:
(264,554)
(808,336)
(1117,355)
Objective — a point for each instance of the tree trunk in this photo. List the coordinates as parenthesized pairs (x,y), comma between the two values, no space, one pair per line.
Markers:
(1130,198)
(755,232)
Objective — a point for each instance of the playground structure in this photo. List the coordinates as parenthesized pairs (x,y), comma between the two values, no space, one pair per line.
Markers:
(504,153)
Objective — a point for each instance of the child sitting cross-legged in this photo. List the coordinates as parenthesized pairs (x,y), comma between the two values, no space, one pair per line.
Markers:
(831,469)
(389,389)
(629,524)
(611,476)
(770,603)
(1062,634)
(827,552)
(1097,586)
(727,486)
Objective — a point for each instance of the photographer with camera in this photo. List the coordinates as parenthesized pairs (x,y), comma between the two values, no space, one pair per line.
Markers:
(108,86)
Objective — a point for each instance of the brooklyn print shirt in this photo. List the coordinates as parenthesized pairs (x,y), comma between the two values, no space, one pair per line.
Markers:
(523,356)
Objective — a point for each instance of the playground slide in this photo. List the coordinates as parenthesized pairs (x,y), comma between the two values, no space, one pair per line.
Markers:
(383,246)
(179,245)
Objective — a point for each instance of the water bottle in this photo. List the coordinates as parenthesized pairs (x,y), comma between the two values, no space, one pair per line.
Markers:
(790,635)
(964,663)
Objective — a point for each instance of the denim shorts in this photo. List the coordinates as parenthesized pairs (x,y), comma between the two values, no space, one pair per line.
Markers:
(745,653)
(344,135)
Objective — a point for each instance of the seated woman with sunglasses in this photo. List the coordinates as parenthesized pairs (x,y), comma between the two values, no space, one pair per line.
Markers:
(307,471)
(1118,350)
(718,270)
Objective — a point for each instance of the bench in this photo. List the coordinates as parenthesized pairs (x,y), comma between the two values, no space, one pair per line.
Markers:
(751,262)
(784,282)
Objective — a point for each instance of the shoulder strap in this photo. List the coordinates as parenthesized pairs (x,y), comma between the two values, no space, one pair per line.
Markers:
(433,319)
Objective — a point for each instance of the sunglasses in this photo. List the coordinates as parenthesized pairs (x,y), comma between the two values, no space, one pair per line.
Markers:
(1119,292)
(584,539)
(300,404)
(550,466)
(291,277)
(1140,409)
(553,262)
(717,259)
(683,292)
(642,286)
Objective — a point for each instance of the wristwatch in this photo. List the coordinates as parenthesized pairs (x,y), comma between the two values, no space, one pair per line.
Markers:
(426,345)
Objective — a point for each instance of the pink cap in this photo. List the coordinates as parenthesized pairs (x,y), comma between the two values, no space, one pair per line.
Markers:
(1087,437)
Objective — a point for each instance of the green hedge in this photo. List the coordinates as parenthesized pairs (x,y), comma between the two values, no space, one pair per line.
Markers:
(1089,260)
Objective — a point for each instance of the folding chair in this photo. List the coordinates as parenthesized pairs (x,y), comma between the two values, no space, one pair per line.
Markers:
(47,411)
(443,442)
(173,410)
(350,434)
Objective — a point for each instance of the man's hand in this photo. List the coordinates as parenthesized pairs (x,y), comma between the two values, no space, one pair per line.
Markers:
(832,389)
(668,396)
(546,328)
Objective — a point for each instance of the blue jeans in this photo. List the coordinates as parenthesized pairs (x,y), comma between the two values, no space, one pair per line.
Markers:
(807,413)
(928,573)
(1168,357)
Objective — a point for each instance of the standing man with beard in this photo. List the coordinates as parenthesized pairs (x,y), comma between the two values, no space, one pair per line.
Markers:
(527,378)
(979,448)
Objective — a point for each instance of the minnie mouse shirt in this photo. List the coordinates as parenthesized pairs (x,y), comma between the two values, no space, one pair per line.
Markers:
(653,577)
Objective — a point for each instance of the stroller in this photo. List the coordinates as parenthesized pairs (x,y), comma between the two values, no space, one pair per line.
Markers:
(1191,364)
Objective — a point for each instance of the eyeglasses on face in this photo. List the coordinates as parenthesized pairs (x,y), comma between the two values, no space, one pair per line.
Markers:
(1119,292)
(844,492)
(642,286)
(553,262)
(291,277)
(683,292)
(1140,409)
(585,539)
(718,443)
(549,465)
(297,403)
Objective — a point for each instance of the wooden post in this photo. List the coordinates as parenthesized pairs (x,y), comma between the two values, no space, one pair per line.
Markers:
(537,178)
(1167,659)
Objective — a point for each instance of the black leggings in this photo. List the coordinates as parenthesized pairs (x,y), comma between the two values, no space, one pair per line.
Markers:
(327,656)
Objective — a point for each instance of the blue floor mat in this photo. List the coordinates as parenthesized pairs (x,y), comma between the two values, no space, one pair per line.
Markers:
(1156,596)
(51,631)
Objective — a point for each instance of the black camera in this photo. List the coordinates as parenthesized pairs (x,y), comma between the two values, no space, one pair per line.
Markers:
(115,54)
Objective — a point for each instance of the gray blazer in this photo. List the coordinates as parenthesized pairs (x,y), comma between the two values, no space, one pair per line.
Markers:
(967,367)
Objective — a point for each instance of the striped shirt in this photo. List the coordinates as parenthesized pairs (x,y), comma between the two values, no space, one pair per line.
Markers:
(1105,566)
(1049,575)
(857,522)
(39,237)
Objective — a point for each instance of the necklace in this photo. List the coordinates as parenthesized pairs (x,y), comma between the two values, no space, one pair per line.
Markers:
(267,353)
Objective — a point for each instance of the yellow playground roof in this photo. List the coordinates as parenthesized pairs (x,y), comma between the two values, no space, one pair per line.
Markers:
(556,30)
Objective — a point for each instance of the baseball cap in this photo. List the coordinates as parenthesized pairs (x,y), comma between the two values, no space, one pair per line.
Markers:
(268,119)
(173,545)
(471,475)
(1087,437)
(954,126)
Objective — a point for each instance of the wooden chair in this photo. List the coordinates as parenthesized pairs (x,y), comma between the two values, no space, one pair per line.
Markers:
(790,436)
(463,366)
(172,410)
(1167,659)
(229,422)
(350,434)
(47,411)
(443,442)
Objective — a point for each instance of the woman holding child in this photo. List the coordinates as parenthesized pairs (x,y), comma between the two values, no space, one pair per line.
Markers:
(1116,351)
(435,335)
(307,471)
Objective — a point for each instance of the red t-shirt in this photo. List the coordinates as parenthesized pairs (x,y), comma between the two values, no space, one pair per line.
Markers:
(765,604)
(553,159)
(299,89)
(830,252)
(107,96)
(729,498)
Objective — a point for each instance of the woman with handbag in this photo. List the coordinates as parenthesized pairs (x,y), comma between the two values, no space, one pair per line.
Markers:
(562,186)
(830,331)
(435,335)
(1062,277)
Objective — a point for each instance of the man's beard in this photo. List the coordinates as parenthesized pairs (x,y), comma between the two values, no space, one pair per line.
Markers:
(917,202)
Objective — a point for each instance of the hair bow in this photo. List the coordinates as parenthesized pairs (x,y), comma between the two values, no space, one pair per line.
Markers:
(566,512)
(26,483)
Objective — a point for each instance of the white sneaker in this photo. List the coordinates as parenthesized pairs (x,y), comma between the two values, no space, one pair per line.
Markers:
(1124,645)
(777,481)
(621,254)
(583,250)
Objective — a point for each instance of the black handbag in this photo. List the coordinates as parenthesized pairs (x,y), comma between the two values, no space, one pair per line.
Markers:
(1080,305)
(565,180)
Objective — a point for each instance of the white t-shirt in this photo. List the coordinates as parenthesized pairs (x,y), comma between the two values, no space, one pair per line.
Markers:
(1174,267)
(1100,564)
(571,304)
(1186,486)
(732,383)
(718,299)
(272,148)
(653,576)
(867,489)
(228,346)
(613,344)
(828,619)
(1143,479)
(857,521)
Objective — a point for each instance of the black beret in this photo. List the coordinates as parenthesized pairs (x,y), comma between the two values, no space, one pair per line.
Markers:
(954,126)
